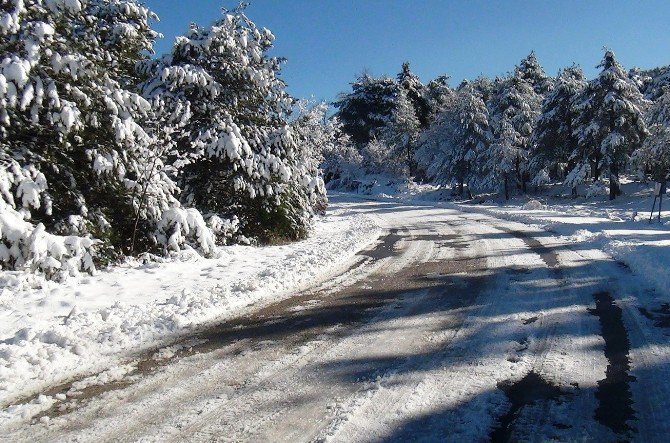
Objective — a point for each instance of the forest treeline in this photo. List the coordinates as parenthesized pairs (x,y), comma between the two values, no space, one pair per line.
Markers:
(506,134)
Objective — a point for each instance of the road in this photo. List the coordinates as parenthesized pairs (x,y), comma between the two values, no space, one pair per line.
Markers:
(452,327)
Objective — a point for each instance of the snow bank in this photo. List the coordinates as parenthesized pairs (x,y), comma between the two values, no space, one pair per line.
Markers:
(532,205)
(53,332)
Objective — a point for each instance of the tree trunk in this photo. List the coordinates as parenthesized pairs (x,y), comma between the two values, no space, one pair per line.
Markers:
(615,187)
(460,187)
(596,169)
(506,188)
(517,167)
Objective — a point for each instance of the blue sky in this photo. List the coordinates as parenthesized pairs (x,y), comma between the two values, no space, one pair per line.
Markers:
(328,42)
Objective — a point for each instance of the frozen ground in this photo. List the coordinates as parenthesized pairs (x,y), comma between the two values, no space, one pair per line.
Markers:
(52,332)
(453,326)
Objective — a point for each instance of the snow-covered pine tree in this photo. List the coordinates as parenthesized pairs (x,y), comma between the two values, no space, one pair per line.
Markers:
(401,133)
(609,125)
(653,157)
(553,139)
(235,153)
(450,147)
(439,94)
(319,139)
(484,86)
(651,82)
(415,92)
(75,155)
(514,107)
(368,108)
(530,70)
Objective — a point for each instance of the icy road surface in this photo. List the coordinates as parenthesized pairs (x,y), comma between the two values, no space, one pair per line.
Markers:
(452,327)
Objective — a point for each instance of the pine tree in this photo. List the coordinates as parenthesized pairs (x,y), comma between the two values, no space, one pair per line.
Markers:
(651,82)
(78,160)
(654,154)
(553,138)
(439,95)
(401,132)
(530,70)
(609,124)
(452,145)
(368,108)
(235,155)
(415,92)
(514,107)
(318,138)
(484,86)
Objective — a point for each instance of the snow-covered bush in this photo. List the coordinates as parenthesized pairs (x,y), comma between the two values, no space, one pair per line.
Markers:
(178,225)
(28,247)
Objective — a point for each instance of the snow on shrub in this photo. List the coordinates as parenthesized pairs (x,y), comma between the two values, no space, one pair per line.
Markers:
(24,246)
(223,229)
(180,226)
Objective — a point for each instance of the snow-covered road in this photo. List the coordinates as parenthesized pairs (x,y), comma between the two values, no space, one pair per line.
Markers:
(453,326)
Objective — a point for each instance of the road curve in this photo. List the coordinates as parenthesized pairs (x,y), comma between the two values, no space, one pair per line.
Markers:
(452,327)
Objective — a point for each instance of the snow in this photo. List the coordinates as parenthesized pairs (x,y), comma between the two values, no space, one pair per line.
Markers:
(52,332)
(416,356)
(620,228)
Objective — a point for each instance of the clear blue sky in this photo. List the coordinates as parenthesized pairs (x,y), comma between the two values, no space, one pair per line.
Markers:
(327,42)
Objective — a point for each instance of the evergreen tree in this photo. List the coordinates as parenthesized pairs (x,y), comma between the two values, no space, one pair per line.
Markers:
(401,133)
(318,137)
(651,82)
(484,86)
(654,154)
(439,95)
(368,108)
(530,70)
(514,107)
(609,124)
(77,159)
(235,153)
(452,145)
(553,138)
(415,92)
